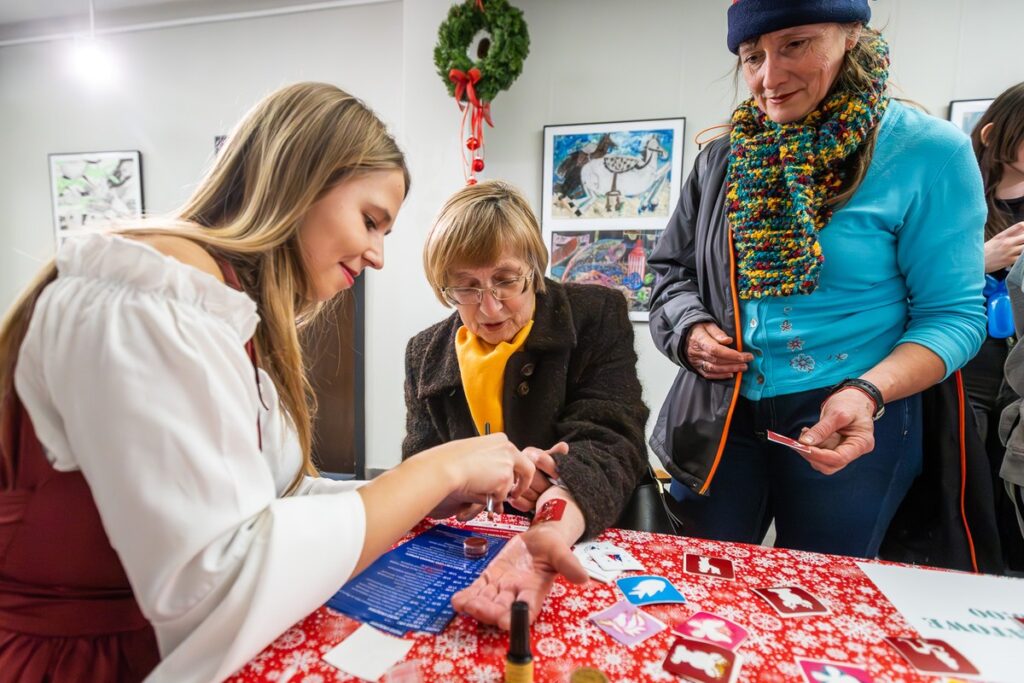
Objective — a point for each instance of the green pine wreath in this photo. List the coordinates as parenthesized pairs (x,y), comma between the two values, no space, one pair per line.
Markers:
(510,44)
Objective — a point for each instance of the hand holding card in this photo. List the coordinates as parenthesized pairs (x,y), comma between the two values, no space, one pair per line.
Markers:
(775,437)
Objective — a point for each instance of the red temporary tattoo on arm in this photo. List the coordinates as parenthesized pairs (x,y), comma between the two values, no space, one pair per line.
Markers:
(550,511)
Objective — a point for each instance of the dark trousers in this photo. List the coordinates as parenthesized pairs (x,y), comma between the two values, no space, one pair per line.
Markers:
(846,513)
(988,394)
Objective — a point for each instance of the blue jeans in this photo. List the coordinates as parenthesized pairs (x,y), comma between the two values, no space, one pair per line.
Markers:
(846,513)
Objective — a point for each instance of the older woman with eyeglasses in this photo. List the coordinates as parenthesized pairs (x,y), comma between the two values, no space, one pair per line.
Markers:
(551,365)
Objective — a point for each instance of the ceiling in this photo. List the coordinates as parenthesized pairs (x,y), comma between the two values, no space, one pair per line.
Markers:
(32,20)
(19,11)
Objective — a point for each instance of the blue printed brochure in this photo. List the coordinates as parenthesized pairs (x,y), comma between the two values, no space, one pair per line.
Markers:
(410,587)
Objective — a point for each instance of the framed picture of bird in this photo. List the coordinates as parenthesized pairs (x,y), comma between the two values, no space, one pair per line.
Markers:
(608,191)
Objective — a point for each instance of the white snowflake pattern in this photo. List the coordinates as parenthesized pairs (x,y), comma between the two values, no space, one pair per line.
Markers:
(312,678)
(802,557)
(829,639)
(737,552)
(611,661)
(584,632)
(837,653)
(290,639)
(456,645)
(551,647)
(300,660)
(730,612)
(544,628)
(557,590)
(858,629)
(696,593)
(655,671)
(790,669)
(765,622)
(576,602)
(802,363)
(866,610)
(443,666)
(484,673)
(802,638)
(753,658)
(856,648)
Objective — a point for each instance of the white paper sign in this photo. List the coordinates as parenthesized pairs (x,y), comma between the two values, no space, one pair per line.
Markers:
(973,613)
(368,653)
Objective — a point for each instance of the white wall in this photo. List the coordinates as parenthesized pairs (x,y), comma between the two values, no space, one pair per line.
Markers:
(590,60)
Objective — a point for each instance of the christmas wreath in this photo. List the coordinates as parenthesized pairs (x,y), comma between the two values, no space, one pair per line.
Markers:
(479,52)
(497,33)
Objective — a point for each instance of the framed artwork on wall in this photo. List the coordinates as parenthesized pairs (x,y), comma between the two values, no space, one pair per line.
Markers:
(965,113)
(92,189)
(608,191)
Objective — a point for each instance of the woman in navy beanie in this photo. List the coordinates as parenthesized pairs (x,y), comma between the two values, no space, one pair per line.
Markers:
(806,290)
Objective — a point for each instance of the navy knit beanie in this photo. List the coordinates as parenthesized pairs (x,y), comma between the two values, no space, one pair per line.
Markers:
(749,19)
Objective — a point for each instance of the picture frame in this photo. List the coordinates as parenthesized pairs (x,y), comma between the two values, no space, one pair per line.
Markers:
(608,190)
(90,190)
(965,113)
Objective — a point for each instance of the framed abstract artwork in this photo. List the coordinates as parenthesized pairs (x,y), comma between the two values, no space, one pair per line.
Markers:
(608,191)
(965,113)
(93,189)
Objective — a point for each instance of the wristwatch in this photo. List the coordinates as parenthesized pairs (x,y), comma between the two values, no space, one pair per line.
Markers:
(865,387)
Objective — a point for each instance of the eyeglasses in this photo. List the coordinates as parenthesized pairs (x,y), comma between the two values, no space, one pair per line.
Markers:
(501,291)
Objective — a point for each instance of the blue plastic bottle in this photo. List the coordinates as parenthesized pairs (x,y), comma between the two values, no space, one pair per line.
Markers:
(997,305)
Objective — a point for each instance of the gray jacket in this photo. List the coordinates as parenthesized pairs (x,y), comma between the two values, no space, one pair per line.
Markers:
(1011,432)
(694,288)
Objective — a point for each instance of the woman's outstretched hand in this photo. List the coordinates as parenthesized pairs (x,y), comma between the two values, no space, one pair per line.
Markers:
(525,569)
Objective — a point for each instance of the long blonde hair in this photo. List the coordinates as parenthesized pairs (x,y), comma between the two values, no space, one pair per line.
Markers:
(285,154)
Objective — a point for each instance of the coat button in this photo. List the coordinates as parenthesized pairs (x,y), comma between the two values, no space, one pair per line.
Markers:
(760,379)
(527,370)
(523,389)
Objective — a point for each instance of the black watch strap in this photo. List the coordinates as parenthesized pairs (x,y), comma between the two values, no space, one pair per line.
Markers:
(867,388)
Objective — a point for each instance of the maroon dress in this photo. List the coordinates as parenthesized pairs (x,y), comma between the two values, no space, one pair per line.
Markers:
(67,611)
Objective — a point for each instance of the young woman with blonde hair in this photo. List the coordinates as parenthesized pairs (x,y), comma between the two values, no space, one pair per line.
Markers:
(158,502)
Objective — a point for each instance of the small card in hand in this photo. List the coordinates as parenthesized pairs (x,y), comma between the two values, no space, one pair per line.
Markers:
(786,441)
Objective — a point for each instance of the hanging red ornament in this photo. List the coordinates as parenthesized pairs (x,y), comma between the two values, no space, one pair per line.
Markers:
(471,181)
(472,144)
(478,165)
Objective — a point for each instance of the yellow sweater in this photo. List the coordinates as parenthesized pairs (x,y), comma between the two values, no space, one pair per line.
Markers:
(482,367)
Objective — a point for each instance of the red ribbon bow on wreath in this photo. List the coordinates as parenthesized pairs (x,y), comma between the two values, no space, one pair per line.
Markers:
(478,112)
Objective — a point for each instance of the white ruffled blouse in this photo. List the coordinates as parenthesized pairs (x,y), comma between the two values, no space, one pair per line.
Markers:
(134,372)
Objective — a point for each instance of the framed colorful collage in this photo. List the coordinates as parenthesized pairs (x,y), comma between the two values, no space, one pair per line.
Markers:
(608,191)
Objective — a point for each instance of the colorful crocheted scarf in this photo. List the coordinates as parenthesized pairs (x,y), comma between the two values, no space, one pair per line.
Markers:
(781,178)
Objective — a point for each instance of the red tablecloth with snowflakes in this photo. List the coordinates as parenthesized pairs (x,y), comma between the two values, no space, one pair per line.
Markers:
(564,639)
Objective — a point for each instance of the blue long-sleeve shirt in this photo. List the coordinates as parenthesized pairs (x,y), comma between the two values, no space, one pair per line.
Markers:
(904,262)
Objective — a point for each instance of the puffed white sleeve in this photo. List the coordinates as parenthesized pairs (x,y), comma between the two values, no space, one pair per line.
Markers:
(153,398)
